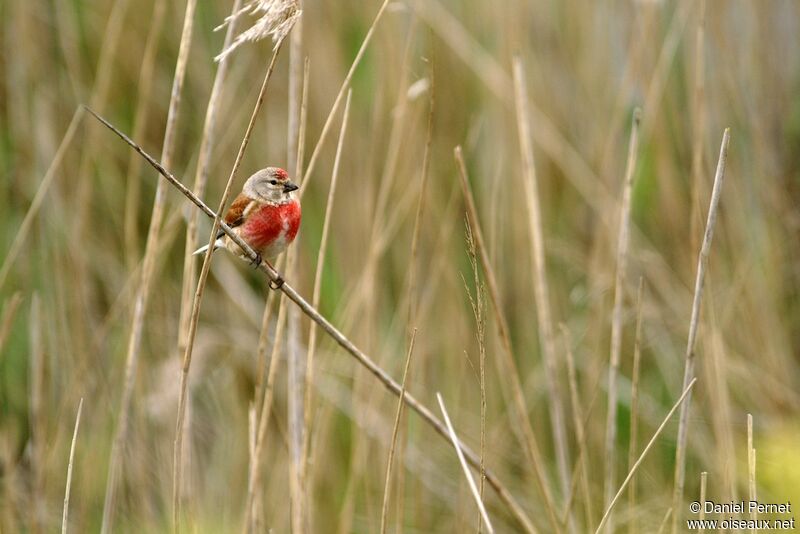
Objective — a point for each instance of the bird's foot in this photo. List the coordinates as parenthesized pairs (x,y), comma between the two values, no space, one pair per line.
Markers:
(276,284)
(256,262)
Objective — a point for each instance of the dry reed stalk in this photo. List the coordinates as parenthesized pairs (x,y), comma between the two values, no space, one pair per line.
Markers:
(703,487)
(634,430)
(345,84)
(684,395)
(543,313)
(295,372)
(580,435)
(207,142)
(65,514)
(616,316)
(698,123)
(363,359)
(254,470)
(36,416)
(751,466)
(148,272)
(395,429)
(9,313)
(317,290)
(97,100)
(200,290)
(263,344)
(25,226)
(694,322)
(200,180)
(510,371)
(144,88)
(426,160)
(478,305)
(664,522)
(464,465)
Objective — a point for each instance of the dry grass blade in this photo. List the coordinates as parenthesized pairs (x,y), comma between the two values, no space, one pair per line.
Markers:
(395,429)
(580,435)
(694,322)
(523,425)
(316,292)
(140,126)
(634,427)
(345,84)
(9,313)
(464,465)
(502,491)
(200,289)
(616,316)
(65,515)
(703,488)
(543,313)
(25,226)
(642,456)
(263,422)
(751,465)
(148,271)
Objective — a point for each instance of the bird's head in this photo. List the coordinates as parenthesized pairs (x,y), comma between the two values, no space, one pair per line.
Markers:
(270,185)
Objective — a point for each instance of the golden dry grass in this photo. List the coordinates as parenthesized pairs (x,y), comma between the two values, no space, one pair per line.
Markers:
(545,161)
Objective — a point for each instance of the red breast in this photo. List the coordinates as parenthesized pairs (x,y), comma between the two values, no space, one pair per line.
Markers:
(271,228)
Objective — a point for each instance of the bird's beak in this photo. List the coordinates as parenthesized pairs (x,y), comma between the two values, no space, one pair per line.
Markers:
(288,187)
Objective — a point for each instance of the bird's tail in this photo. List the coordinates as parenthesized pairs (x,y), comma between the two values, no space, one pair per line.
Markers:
(219,243)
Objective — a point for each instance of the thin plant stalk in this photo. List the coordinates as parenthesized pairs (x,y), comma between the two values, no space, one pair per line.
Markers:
(148,272)
(144,89)
(703,493)
(25,226)
(464,466)
(317,290)
(751,465)
(694,323)
(616,315)
(65,514)
(578,423)
(201,179)
(345,84)
(263,422)
(9,313)
(635,375)
(200,290)
(395,430)
(541,293)
(527,437)
(362,358)
(295,390)
(684,395)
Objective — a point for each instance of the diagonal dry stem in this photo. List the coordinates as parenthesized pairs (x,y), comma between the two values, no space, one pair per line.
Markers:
(543,313)
(395,429)
(688,376)
(198,296)
(526,436)
(65,514)
(393,386)
(616,315)
(684,395)
(464,466)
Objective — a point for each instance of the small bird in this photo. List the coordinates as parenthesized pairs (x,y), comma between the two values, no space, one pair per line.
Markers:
(266,215)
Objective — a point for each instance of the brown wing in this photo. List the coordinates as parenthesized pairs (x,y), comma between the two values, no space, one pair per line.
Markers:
(235,214)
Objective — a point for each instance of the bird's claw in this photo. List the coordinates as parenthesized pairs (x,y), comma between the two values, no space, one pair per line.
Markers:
(256,262)
(276,284)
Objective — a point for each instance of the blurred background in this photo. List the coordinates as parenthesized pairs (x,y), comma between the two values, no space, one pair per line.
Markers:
(68,291)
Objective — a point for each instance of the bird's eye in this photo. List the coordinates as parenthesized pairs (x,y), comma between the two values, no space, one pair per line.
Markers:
(274,182)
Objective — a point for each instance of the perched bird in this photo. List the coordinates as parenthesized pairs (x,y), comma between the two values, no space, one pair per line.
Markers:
(266,215)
